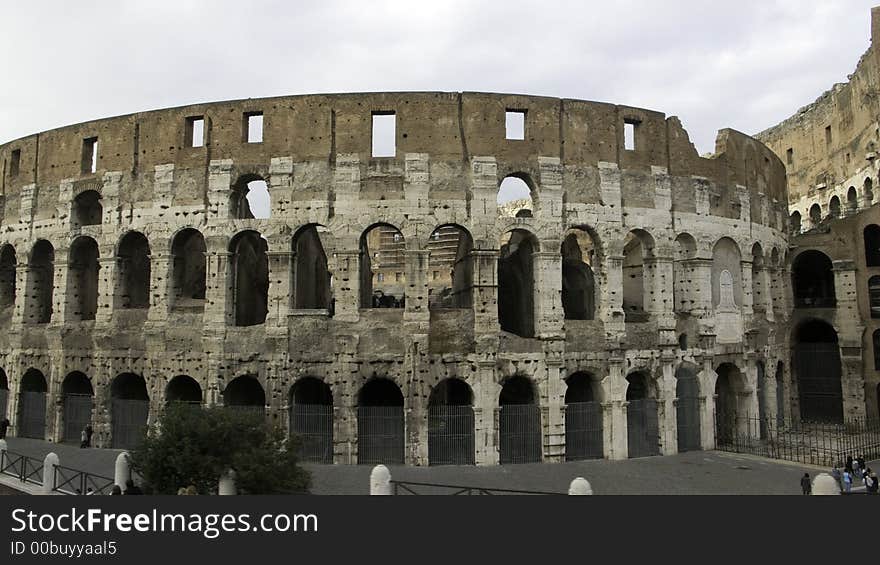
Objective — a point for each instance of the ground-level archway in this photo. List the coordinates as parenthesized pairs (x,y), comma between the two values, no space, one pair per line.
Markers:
(311,419)
(183,389)
(642,422)
(245,394)
(519,422)
(731,414)
(583,418)
(130,410)
(380,423)
(818,371)
(78,401)
(32,405)
(451,424)
(687,409)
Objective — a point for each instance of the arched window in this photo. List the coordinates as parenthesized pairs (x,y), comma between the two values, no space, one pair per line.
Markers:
(637,247)
(250,199)
(133,272)
(7,278)
(794,223)
(869,191)
(872,245)
(450,268)
(682,272)
(87,210)
(519,422)
(382,267)
(249,292)
(451,424)
(578,279)
(311,278)
(515,197)
(874,295)
(40,282)
(815,215)
(834,207)
(516,304)
(852,200)
(82,279)
(726,275)
(188,268)
(813,280)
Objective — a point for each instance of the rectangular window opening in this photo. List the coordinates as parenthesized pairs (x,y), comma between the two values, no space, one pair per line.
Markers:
(15,163)
(253,127)
(195,131)
(90,155)
(789,156)
(629,134)
(515,124)
(827,135)
(384,142)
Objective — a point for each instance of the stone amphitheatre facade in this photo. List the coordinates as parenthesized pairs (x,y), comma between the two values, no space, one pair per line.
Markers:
(638,291)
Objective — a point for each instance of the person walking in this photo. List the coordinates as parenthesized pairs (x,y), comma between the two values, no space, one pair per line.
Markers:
(131,488)
(4,426)
(806,486)
(89,432)
(847,481)
(837,477)
(83,439)
(873,486)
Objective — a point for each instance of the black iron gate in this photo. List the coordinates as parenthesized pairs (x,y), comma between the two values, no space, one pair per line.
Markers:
(313,426)
(32,415)
(583,431)
(688,415)
(380,435)
(818,378)
(450,435)
(129,419)
(4,402)
(77,415)
(643,428)
(519,430)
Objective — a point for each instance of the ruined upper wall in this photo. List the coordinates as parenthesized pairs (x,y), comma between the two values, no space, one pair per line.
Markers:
(449,127)
(836,137)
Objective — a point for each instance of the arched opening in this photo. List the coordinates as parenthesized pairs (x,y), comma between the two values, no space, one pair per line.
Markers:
(731,408)
(516,296)
(87,209)
(813,280)
(834,207)
(818,370)
(82,279)
(249,198)
(726,276)
(780,394)
(4,394)
(245,394)
(515,197)
(133,275)
(451,424)
(578,280)
(642,422)
(450,268)
(875,339)
(519,422)
(761,391)
(687,409)
(188,270)
(78,400)
(760,290)
(682,272)
(40,282)
(583,418)
(872,245)
(638,249)
(794,223)
(130,410)
(183,389)
(249,291)
(869,191)
(32,405)
(852,200)
(311,277)
(874,295)
(311,419)
(815,215)
(383,267)
(7,280)
(380,423)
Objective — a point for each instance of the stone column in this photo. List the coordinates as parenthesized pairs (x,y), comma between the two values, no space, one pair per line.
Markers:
(280,185)
(416,272)
(217,272)
(486,413)
(61,309)
(219,183)
(486,326)
(707,401)
(613,315)
(668,417)
(345,267)
(547,293)
(161,264)
(747,298)
(614,408)
(19,313)
(279,286)
(110,203)
(553,411)
(106,286)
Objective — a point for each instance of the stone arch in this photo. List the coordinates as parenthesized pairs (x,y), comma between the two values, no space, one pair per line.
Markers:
(249,280)
(383,267)
(731,407)
(245,393)
(813,280)
(871,235)
(32,394)
(77,405)
(682,272)
(519,422)
(8,264)
(688,412)
(815,215)
(579,254)
(868,191)
(311,419)
(133,271)
(381,425)
(817,366)
(130,409)
(727,291)
(87,209)
(249,198)
(852,200)
(794,223)
(311,278)
(451,423)
(638,249)
(40,283)
(516,196)
(584,430)
(450,267)
(516,290)
(188,270)
(834,207)
(183,389)
(82,279)
(642,421)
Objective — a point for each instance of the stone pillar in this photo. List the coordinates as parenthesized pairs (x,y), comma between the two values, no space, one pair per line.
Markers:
(553,411)
(486,294)
(219,183)
(106,286)
(849,324)
(161,263)
(345,267)
(380,481)
(614,408)
(279,285)
(280,185)
(217,260)
(701,284)
(416,272)
(163,186)
(486,413)
(19,313)
(667,417)
(110,203)
(547,292)
(767,299)
(747,298)
(613,315)
(61,312)
(707,400)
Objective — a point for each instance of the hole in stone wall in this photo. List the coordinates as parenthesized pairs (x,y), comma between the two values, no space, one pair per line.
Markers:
(629,134)
(82,279)
(253,127)
(515,124)
(41,271)
(188,269)
(183,388)
(451,264)
(245,391)
(637,246)
(834,207)
(87,209)
(515,198)
(813,280)
(872,245)
(133,272)
(14,162)
(311,278)
(195,131)
(516,300)
(384,142)
(382,260)
(249,198)
(250,279)
(7,277)
(89,162)
(578,280)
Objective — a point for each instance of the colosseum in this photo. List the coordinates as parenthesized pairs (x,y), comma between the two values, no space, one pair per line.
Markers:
(350,265)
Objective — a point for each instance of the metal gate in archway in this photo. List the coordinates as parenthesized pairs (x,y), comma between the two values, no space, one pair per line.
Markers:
(312,424)
(643,428)
(450,435)
(519,431)
(819,383)
(687,412)
(4,402)
(32,415)
(380,435)
(583,431)
(77,415)
(129,418)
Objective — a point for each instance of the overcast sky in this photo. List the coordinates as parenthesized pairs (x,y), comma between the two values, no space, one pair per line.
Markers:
(745,65)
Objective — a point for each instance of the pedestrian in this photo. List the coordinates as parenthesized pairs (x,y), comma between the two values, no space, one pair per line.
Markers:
(131,488)
(847,481)
(4,425)
(873,487)
(115,491)
(857,470)
(861,460)
(89,432)
(837,477)
(83,439)
(849,464)
(806,486)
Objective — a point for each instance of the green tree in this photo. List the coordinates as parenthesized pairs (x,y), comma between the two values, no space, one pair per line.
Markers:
(195,446)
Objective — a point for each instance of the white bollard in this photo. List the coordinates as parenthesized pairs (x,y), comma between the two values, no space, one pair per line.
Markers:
(226,486)
(49,464)
(3,449)
(580,487)
(825,485)
(122,471)
(380,481)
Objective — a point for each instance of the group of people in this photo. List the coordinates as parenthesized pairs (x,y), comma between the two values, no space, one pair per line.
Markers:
(130,489)
(855,472)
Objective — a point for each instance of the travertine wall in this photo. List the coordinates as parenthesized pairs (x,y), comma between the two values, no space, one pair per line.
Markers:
(451,156)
